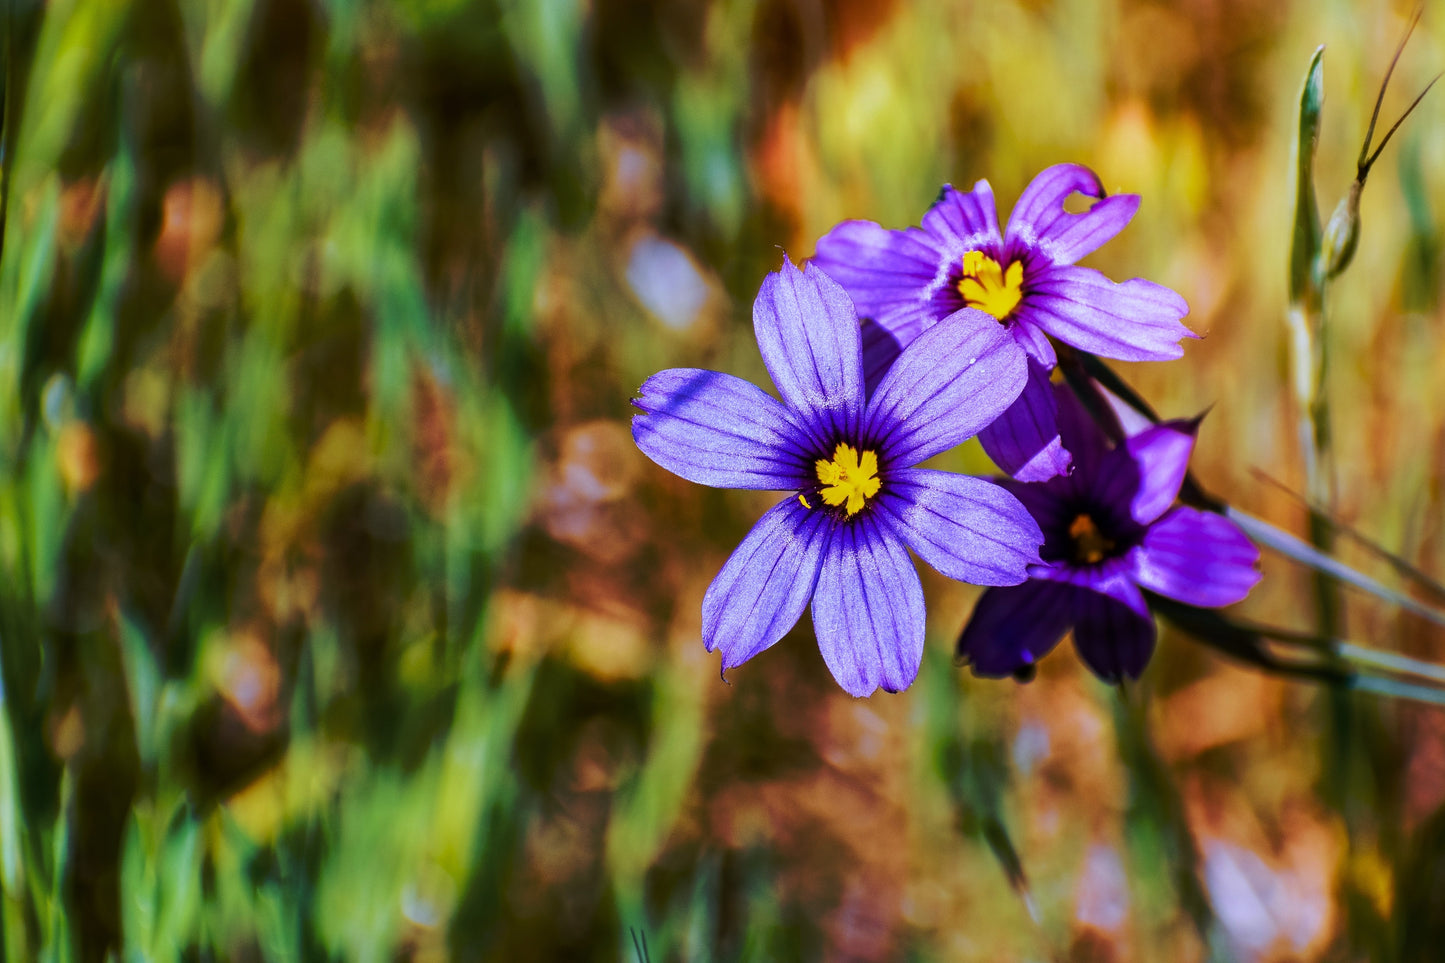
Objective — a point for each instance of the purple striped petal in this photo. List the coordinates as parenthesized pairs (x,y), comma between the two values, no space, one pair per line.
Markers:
(718,430)
(766,582)
(946,386)
(888,274)
(1197,557)
(1032,339)
(1162,454)
(1040,221)
(1024,441)
(1113,640)
(964,222)
(868,610)
(1042,202)
(808,335)
(880,350)
(967,528)
(1134,320)
(1012,628)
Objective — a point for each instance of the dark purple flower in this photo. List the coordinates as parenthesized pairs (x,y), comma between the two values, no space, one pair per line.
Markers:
(857,504)
(906,280)
(1110,530)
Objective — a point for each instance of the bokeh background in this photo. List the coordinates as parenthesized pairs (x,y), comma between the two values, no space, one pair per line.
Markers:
(341,619)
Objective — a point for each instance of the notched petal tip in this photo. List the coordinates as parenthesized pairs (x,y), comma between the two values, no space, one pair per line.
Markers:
(1041,219)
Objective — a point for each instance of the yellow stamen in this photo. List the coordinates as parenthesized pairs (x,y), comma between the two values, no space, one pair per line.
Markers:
(851,480)
(1090,544)
(804,501)
(987,286)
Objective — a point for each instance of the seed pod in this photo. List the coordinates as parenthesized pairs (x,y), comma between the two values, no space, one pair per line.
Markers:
(1342,233)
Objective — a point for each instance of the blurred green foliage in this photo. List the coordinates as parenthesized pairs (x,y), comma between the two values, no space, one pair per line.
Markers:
(340,619)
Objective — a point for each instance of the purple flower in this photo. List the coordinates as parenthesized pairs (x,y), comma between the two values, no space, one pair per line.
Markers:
(905,281)
(1109,531)
(841,538)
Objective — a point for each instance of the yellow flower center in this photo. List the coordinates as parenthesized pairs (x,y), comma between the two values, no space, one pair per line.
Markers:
(848,480)
(1090,544)
(987,286)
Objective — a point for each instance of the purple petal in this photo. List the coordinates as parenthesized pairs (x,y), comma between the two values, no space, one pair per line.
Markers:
(1113,640)
(868,610)
(958,376)
(964,222)
(1053,504)
(808,335)
(1113,577)
(880,350)
(766,582)
(1162,454)
(716,429)
(1040,221)
(1042,202)
(1081,435)
(1032,339)
(1024,441)
(888,274)
(1133,321)
(967,528)
(1012,628)
(1110,491)
(1197,557)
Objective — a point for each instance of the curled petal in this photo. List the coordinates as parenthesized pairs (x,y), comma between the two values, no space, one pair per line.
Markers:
(868,610)
(952,381)
(808,335)
(1134,320)
(964,222)
(766,582)
(1113,639)
(1024,441)
(716,429)
(1012,628)
(1197,557)
(1040,221)
(967,528)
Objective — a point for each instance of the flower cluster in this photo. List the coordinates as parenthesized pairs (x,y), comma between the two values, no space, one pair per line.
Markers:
(890,347)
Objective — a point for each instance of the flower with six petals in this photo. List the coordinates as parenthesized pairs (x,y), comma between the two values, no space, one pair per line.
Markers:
(856,503)
(1025,278)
